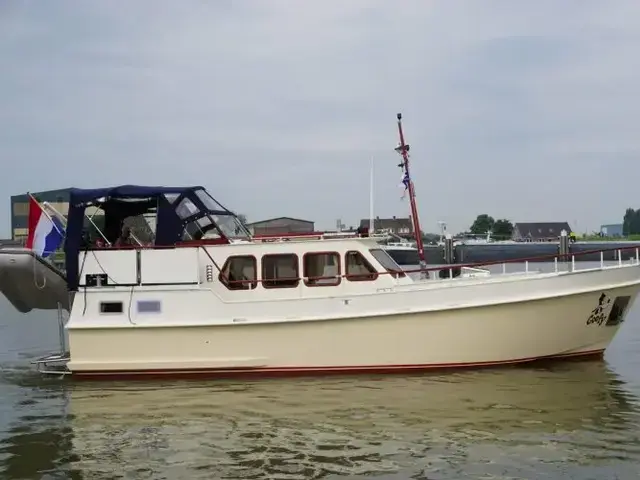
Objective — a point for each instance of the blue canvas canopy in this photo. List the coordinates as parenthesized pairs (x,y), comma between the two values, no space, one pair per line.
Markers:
(124,201)
(85,195)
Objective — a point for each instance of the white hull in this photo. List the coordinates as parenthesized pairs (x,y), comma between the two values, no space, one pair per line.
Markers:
(416,325)
(204,298)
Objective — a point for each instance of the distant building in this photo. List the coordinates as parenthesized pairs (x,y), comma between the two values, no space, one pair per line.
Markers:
(59,199)
(399,226)
(9,243)
(281,226)
(539,231)
(612,230)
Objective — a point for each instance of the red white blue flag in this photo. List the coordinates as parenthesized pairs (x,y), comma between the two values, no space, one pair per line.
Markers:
(45,232)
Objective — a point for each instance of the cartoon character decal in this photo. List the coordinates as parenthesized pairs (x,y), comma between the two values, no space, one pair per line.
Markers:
(608,312)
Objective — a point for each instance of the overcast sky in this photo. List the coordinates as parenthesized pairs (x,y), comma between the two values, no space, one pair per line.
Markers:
(519,109)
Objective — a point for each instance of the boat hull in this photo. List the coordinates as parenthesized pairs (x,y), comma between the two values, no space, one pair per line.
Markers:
(561,326)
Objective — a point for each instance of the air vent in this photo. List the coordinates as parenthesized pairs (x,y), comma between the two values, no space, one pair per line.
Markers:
(111,307)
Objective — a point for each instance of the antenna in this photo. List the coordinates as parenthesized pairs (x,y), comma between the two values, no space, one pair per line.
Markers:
(371,220)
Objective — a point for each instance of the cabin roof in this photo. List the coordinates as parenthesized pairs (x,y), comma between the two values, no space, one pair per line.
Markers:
(83,195)
(315,245)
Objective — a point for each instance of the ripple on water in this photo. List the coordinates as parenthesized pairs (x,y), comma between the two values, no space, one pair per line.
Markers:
(489,424)
(577,420)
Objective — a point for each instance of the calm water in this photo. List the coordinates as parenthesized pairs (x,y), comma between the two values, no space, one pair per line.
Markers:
(572,420)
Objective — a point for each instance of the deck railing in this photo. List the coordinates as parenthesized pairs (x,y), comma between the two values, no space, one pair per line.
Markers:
(623,255)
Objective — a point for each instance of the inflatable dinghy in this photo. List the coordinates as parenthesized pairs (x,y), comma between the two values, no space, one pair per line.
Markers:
(29,282)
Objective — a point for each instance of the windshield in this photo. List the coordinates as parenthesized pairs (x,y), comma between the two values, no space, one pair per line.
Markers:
(385,260)
(404,257)
(208,201)
(230,226)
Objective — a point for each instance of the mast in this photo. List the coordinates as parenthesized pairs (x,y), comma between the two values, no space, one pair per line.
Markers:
(403,149)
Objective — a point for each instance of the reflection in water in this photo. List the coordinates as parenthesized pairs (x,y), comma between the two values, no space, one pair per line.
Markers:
(494,422)
(39,439)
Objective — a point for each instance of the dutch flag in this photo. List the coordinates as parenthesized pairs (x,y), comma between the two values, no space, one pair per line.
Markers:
(45,232)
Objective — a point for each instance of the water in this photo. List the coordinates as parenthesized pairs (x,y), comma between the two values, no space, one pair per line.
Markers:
(569,420)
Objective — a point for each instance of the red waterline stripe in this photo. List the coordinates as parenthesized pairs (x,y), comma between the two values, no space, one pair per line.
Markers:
(235,372)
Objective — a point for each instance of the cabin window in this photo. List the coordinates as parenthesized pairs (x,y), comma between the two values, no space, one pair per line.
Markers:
(387,262)
(239,273)
(280,271)
(321,269)
(358,268)
(111,307)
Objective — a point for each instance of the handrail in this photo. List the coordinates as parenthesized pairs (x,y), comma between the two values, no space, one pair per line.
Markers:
(199,244)
(539,258)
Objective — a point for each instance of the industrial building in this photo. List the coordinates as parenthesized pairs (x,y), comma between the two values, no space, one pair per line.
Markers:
(612,230)
(59,199)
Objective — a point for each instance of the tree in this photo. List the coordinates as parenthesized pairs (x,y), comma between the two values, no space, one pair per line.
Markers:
(502,229)
(482,224)
(631,222)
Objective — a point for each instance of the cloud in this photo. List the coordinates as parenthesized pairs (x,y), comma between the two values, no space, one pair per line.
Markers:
(526,111)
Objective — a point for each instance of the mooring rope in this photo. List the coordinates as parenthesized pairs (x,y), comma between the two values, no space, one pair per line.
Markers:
(35,279)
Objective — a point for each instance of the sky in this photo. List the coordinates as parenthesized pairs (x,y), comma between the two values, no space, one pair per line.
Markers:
(521,110)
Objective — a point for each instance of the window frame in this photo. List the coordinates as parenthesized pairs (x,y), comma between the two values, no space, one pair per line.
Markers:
(224,280)
(337,278)
(273,283)
(359,277)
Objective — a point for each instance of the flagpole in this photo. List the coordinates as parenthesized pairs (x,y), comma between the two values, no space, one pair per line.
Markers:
(46,213)
(371,220)
(403,148)
(62,217)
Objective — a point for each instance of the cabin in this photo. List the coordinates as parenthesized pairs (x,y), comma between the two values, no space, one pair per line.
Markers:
(198,241)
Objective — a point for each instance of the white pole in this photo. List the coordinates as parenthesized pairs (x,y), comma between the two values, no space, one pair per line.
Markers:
(63,219)
(371,220)
(46,213)
(56,212)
